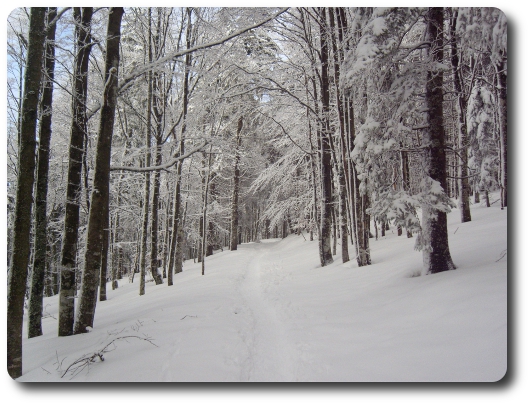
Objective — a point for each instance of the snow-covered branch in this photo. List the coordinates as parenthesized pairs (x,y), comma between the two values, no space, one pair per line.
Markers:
(165,166)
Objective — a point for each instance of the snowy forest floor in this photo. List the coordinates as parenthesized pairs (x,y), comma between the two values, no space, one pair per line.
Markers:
(269,312)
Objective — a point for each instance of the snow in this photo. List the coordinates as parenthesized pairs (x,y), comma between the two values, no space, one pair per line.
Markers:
(269,312)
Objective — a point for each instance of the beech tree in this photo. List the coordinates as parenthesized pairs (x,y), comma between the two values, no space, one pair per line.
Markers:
(67,292)
(100,193)
(41,189)
(18,270)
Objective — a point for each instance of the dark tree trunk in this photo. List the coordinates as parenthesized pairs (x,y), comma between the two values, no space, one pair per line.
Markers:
(100,193)
(436,256)
(204,241)
(235,193)
(465,212)
(154,215)
(147,184)
(18,270)
(115,263)
(104,260)
(176,249)
(342,172)
(326,166)
(167,235)
(67,290)
(209,245)
(503,126)
(41,190)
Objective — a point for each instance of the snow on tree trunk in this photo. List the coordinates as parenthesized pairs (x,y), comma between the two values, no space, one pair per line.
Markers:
(18,269)
(100,192)
(147,184)
(41,190)
(461,109)
(436,255)
(503,126)
(235,192)
(69,252)
(326,169)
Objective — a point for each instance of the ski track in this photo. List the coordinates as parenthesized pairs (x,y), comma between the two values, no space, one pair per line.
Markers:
(271,356)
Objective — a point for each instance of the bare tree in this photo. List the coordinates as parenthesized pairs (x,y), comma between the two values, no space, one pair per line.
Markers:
(41,190)
(18,270)
(82,18)
(100,191)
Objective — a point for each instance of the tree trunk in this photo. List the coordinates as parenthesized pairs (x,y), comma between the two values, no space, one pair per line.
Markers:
(327,176)
(147,186)
(115,263)
(67,290)
(342,172)
(100,193)
(175,251)
(41,190)
(465,212)
(154,216)
(503,126)
(436,255)
(104,260)
(235,193)
(18,270)
(209,245)
(204,211)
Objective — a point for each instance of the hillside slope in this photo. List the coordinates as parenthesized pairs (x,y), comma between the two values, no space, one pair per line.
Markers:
(269,312)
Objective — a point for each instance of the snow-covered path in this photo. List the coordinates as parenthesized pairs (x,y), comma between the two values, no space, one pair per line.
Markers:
(269,312)
(270,355)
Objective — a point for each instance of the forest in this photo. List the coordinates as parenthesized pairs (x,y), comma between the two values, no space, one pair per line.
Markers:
(141,139)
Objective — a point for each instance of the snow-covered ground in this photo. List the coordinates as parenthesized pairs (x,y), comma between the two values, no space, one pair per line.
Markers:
(269,312)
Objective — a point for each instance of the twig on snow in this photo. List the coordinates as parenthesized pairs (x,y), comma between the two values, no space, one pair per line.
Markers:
(84,361)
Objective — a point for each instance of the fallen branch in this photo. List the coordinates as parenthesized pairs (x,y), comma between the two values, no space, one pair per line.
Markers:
(84,361)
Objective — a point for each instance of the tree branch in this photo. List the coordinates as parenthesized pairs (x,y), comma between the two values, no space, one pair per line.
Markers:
(161,167)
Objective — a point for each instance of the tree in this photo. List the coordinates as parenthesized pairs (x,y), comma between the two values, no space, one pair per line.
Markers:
(18,270)
(100,192)
(41,190)
(67,292)
(325,150)
(436,255)
(461,108)
(235,193)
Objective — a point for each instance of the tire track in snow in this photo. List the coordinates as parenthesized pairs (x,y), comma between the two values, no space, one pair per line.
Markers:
(271,353)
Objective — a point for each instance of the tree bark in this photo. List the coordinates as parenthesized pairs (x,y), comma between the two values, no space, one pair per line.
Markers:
(67,290)
(436,255)
(18,270)
(154,216)
(104,260)
(41,190)
(342,172)
(327,176)
(503,126)
(235,192)
(100,193)
(175,251)
(147,184)
(461,108)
